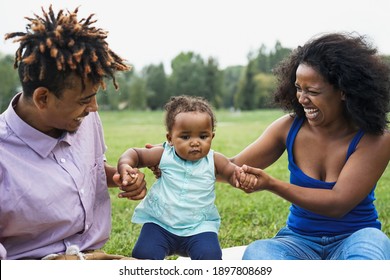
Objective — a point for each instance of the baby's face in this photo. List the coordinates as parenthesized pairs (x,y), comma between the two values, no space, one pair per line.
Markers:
(191,135)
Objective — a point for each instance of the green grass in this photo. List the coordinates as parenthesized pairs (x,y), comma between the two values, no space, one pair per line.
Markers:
(245,218)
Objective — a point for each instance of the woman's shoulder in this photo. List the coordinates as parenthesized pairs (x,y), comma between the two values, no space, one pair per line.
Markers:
(381,140)
(375,147)
(282,125)
(285,120)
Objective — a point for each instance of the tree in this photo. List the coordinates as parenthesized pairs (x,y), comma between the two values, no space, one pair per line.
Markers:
(112,99)
(188,75)
(156,84)
(213,86)
(264,87)
(245,98)
(10,84)
(386,59)
(262,60)
(277,55)
(138,94)
(230,82)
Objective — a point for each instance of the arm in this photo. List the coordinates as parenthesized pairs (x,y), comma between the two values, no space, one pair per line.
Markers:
(225,169)
(134,191)
(233,174)
(155,169)
(135,158)
(140,157)
(110,172)
(356,180)
(129,179)
(268,147)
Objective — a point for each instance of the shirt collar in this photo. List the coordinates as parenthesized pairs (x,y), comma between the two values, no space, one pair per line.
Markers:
(35,139)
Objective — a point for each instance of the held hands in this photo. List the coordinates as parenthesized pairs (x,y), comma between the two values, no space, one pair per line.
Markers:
(131,182)
(246,178)
(250,179)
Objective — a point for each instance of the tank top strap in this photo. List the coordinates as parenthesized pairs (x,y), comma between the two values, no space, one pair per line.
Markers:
(354,142)
(296,125)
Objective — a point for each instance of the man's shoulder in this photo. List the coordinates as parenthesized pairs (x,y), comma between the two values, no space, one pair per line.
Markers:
(5,131)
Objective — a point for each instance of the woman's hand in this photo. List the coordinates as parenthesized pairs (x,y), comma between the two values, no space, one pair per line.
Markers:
(251,179)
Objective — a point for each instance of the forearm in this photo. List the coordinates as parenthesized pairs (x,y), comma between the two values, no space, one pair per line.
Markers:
(110,172)
(130,157)
(321,201)
(224,169)
(130,180)
(221,179)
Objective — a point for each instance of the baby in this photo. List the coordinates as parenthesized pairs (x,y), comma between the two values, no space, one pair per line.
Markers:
(178,214)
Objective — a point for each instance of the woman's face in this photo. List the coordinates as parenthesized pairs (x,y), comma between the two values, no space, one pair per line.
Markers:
(322,103)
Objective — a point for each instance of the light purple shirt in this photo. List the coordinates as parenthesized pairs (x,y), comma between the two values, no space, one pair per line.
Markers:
(53,192)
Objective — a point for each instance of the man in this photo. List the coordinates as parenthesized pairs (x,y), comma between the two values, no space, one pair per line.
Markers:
(54,199)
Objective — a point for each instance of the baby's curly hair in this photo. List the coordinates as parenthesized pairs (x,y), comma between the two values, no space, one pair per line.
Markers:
(350,64)
(55,46)
(185,103)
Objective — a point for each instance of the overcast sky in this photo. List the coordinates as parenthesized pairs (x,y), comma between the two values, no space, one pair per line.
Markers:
(152,31)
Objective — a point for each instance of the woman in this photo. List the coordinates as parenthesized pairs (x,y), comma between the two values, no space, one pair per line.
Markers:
(336,89)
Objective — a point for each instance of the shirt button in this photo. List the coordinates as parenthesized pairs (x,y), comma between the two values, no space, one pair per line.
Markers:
(63,160)
(82,191)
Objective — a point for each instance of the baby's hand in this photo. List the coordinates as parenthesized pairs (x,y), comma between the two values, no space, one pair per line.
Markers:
(245,181)
(128,175)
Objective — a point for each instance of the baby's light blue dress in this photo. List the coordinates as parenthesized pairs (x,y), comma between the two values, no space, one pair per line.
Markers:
(182,199)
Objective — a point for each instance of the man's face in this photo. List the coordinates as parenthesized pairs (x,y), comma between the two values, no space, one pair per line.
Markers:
(67,112)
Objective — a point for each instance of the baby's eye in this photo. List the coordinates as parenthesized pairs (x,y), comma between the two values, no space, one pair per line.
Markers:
(185,137)
(203,137)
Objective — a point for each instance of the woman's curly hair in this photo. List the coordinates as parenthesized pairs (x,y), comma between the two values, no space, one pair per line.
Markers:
(184,103)
(350,64)
(55,46)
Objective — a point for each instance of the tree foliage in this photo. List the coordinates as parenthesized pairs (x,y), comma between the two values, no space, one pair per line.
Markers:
(157,86)
(9,81)
(243,87)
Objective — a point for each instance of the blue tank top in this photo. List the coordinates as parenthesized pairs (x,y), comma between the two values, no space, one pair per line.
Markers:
(308,223)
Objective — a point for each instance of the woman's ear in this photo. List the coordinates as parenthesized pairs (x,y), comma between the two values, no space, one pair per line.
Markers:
(343,96)
(40,97)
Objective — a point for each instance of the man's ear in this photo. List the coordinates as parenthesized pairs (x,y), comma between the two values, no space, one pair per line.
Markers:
(40,97)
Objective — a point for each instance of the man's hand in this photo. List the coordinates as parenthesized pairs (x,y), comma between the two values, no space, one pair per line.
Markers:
(132,184)
(155,169)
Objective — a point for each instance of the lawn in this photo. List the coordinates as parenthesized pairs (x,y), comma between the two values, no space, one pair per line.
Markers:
(245,217)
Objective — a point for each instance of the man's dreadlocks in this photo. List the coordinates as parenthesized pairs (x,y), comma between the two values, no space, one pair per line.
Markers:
(55,46)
